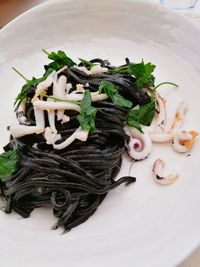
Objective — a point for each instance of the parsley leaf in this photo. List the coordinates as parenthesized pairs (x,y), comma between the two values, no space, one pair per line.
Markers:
(87,114)
(144,115)
(143,74)
(8,163)
(30,85)
(60,59)
(87,63)
(112,92)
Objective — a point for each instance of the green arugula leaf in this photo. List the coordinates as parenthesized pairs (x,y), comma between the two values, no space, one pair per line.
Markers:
(86,63)
(8,163)
(143,115)
(60,59)
(87,114)
(112,92)
(30,85)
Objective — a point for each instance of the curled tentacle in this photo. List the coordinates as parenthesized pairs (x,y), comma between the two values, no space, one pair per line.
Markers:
(158,176)
(160,125)
(177,123)
(140,145)
(183,141)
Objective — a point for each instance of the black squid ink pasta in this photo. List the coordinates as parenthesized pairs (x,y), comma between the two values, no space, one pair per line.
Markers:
(70,137)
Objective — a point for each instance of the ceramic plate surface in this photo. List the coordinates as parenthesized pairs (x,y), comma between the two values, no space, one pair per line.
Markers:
(141,225)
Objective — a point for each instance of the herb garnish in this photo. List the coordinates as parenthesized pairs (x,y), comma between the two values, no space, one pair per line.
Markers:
(87,63)
(30,85)
(142,72)
(87,114)
(143,115)
(60,59)
(112,92)
(8,163)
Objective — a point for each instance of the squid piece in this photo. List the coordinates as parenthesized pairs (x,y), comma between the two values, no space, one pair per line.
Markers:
(39,119)
(59,92)
(43,86)
(61,70)
(158,176)
(160,125)
(68,86)
(51,137)
(179,116)
(95,96)
(80,88)
(177,123)
(79,134)
(83,69)
(20,113)
(21,130)
(183,141)
(96,70)
(51,118)
(47,105)
(140,144)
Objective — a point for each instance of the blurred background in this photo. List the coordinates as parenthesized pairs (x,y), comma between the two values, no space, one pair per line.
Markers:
(9,9)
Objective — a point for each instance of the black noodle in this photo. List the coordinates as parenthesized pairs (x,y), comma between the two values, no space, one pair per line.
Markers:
(75,180)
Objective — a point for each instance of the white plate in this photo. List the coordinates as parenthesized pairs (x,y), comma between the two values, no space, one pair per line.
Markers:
(144,224)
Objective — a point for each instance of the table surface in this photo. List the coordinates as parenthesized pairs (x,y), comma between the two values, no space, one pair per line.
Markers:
(9,9)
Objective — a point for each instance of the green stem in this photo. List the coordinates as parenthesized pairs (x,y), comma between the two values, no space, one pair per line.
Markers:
(46,52)
(160,84)
(62,100)
(20,74)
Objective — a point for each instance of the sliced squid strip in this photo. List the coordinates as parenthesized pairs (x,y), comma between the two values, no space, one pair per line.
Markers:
(61,70)
(22,130)
(158,173)
(39,119)
(46,105)
(68,86)
(43,86)
(78,134)
(51,118)
(59,92)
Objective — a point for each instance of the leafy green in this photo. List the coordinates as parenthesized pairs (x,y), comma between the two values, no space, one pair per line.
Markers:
(142,72)
(8,163)
(87,114)
(30,85)
(60,59)
(87,63)
(143,115)
(112,92)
